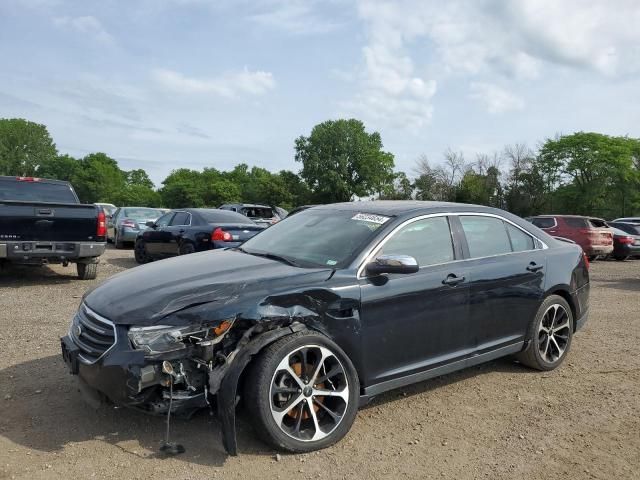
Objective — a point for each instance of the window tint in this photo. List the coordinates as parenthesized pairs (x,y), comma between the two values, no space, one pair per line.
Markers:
(24,191)
(181,218)
(597,223)
(164,220)
(632,229)
(141,213)
(428,241)
(257,212)
(223,216)
(486,236)
(574,222)
(520,241)
(543,222)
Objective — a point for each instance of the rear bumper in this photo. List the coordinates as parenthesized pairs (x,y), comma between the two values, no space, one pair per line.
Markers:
(598,249)
(626,250)
(127,235)
(35,252)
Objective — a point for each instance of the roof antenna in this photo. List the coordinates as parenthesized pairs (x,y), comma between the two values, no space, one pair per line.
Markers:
(167,447)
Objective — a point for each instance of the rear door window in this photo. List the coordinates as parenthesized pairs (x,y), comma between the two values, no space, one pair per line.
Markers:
(486,236)
(428,241)
(181,218)
(520,241)
(544,222)
(597,223)
(574,222)
(164,220)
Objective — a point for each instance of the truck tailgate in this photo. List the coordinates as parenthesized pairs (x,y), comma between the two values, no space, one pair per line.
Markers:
(47,222)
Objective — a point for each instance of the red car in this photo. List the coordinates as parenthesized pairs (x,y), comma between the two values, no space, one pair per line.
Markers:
(592,234)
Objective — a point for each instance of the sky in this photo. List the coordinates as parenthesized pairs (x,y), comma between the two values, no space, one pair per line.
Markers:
(164,84)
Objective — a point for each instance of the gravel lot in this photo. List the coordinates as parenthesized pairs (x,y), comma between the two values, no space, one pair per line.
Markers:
(498,420)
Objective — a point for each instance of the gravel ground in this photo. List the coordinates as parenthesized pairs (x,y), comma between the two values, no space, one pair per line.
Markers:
(498,420)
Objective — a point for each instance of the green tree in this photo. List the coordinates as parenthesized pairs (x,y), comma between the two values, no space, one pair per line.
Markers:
(340,159)
(183,187)
(400,189)
(24,147)
(139,177)
(586,168)
(98,179)
(62,167)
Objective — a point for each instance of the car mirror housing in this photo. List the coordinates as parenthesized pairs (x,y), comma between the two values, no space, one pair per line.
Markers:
(393,264)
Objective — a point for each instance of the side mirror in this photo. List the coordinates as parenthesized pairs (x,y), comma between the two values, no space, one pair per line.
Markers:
(393,264)
(150,224)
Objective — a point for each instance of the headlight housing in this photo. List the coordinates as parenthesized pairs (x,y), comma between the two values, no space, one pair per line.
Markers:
(165,338)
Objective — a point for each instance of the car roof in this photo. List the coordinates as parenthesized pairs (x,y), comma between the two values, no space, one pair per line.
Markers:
(562,215)
(402,207)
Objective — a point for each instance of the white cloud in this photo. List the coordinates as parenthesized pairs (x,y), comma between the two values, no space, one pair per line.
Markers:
(481,41)
(87,25)
(228,85)
(495,98)
(293,16)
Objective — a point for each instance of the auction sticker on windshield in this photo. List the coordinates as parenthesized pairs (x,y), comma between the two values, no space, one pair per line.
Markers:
(369,217)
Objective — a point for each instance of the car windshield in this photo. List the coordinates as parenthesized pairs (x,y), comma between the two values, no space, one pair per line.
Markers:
(317,238)
(141,213)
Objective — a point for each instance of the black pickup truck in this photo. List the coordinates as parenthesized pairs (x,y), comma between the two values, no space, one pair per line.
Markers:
(42,221)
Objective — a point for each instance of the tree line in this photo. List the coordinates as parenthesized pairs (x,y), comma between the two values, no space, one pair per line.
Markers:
(582,173)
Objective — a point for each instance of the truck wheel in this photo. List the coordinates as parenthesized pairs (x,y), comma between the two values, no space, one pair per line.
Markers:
(549,335)
(303,391)
(116,240)
(87,271)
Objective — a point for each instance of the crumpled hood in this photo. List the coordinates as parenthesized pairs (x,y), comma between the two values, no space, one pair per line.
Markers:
(218,283)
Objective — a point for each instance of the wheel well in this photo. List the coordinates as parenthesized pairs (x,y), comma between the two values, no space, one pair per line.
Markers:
(565,294)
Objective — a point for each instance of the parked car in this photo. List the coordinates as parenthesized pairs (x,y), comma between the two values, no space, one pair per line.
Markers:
(592,234)
(190,230)
(108,208)
(127,222)
(322,312)
(627,220)
(42,221)
(626,240)
(260,214)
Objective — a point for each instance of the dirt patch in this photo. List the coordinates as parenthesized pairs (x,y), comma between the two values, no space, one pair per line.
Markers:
(498,420)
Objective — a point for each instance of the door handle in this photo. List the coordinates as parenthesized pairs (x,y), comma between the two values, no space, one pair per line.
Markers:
(452,280)
(533,267)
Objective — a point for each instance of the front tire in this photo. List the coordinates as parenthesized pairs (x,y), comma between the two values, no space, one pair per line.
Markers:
(304,392)
(549,335)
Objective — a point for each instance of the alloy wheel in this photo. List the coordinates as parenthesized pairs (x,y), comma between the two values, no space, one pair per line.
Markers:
(309,393)
(553,333)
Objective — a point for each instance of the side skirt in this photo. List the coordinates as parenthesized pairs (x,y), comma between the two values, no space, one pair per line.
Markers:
(379,388)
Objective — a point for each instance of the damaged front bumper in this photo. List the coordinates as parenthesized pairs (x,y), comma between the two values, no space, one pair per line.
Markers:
(124,377)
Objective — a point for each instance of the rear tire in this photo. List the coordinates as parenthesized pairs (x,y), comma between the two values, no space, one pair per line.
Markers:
(549,335)
(187,248)
(621,258)
(318,393)
(140,253)
(87,271)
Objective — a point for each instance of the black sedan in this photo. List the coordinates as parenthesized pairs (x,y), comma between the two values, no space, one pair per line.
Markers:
(626,240)
(180,232)
(323,311)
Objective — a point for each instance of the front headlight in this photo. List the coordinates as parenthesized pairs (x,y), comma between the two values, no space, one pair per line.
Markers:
(159,338)
(164,338)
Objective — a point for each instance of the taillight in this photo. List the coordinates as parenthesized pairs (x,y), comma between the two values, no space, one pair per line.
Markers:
(626,240)
(221,236)
(129,223)
(586,260)
(27,179)
(101,229)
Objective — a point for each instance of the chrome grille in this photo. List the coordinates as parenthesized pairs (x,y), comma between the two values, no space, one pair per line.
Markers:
(92,333)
